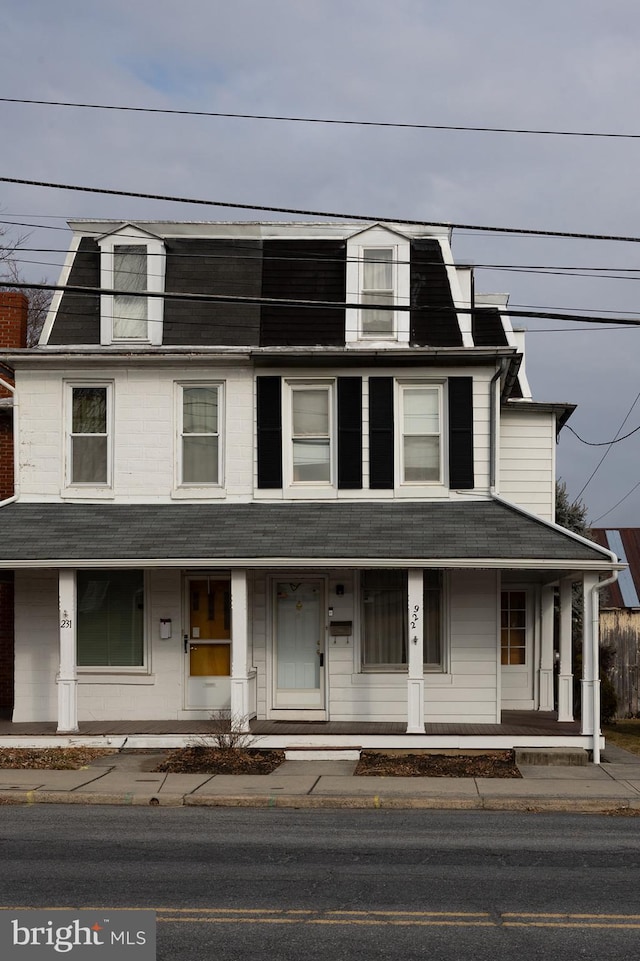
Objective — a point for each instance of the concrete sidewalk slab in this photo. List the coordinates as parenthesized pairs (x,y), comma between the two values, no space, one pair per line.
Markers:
(622,770)
(562,772)
(123,782)
(388,786)
(31,780)
(553,788)
(264,785)
(184,783)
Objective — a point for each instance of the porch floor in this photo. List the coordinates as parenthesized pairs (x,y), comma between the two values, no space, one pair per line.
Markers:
(513,724)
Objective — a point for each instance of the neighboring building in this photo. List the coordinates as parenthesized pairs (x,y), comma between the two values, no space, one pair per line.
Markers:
(620,616)
(309,484)
(13,333)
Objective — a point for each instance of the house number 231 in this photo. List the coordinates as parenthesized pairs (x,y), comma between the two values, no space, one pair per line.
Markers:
(65,622)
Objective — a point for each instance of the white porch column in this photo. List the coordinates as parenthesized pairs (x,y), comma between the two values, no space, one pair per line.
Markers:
(546,650)
(415,679)
(589,669)
(565,677)
(240,709)
(67,677)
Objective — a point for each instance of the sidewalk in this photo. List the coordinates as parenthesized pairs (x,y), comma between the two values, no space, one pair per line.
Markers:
(127,778)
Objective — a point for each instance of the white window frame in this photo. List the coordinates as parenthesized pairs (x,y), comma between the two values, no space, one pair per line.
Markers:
(130,236)
(430,669)
(378,238)
(401,387)
(102,672)
(70,483)
(206,485)
(291,386)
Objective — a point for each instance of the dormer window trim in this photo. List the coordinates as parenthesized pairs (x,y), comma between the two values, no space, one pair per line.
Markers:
(393,250)
(125,250)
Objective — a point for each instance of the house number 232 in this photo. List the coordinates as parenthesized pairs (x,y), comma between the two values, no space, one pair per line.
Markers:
(415,617)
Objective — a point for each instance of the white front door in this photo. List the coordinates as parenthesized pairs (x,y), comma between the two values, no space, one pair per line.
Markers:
(298,648)
(516,654)
(207,643)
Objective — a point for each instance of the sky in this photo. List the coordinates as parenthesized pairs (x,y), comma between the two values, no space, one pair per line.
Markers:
(557,65)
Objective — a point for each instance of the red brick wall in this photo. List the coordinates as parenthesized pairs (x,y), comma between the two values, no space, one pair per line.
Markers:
(13,333)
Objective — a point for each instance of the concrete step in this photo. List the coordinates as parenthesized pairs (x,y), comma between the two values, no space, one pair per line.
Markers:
(570,756)
(313,752)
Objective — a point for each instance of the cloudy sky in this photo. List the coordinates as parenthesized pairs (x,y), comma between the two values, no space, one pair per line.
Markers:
(560,65)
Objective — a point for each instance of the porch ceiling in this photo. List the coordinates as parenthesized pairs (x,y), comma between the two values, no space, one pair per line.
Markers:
(452,534)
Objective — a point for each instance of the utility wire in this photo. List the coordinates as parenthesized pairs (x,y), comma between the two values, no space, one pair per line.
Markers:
(313,304)
(622,499)
(602,459)
(448,225)
(603,443)
(324,120)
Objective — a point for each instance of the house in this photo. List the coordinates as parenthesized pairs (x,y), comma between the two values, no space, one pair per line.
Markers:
(294,471)
(620,617)
(13,333)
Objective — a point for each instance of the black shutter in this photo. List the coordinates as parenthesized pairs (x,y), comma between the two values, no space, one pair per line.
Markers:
(350,433)
(381,459)
(269,432)
(461,433)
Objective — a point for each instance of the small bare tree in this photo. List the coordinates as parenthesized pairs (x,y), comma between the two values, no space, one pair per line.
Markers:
(228,732)
(10,274)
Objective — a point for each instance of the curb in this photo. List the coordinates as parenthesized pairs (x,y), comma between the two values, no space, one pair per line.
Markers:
(610,806)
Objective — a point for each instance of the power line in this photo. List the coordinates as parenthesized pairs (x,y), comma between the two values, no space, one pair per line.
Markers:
(622,499)
(313,304)
(368,218)
(602,459)
(604,443)
(325,120)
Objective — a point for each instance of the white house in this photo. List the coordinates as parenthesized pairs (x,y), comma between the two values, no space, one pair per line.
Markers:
(294,470)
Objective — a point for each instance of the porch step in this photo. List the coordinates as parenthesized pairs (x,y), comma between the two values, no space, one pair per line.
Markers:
(571,756)
(313,752)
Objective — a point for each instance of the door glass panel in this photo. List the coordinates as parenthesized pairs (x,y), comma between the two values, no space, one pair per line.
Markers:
(298,636)
(210,609)
(210,660)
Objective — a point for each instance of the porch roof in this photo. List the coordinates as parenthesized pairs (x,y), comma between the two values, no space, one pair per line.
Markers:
(483,533)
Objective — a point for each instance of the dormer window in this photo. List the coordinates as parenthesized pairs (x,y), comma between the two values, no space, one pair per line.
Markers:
(378,277)
(378,269)
(130,314)
(132,267)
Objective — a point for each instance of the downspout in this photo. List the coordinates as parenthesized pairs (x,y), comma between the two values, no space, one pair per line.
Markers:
(595,636)
(16,483)
(493,430)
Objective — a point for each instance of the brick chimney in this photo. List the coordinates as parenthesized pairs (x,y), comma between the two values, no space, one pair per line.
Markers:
(13,333)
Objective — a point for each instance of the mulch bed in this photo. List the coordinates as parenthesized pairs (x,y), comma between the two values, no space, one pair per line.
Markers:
(213,760)
(490,764)
(50,759)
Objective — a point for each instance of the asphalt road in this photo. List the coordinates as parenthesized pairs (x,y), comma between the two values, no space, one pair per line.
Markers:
(278,884)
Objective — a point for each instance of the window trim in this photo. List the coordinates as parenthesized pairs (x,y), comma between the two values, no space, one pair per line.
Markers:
(291,385)
(179,483)
(156,262)
(96,673)
(83,486)
(401,387)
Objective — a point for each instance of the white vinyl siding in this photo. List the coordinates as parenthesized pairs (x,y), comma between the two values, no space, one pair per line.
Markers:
(527,460)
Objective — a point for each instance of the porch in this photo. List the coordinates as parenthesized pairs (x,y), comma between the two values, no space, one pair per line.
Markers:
(517,729)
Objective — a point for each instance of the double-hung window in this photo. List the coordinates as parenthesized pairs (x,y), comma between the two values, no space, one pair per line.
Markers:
(110,621)
(378,288)
(88,454)
(200,415)
(384,620)
(421,435)
(311,417)
(130,315)
(132,270)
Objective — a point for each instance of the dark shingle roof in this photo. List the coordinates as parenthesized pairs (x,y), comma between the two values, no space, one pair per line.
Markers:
(95,532)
